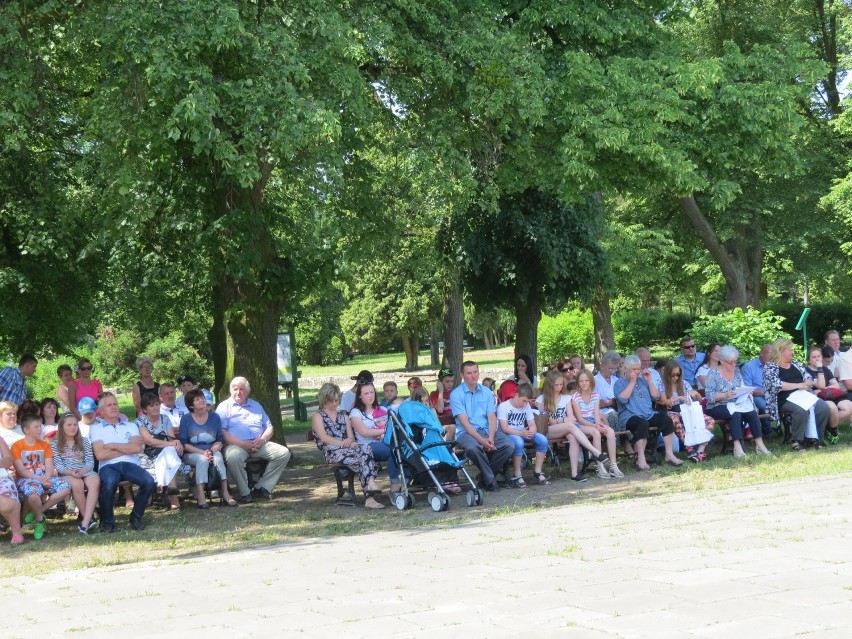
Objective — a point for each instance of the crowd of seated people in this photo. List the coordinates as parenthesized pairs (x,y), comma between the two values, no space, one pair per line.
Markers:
(78,448)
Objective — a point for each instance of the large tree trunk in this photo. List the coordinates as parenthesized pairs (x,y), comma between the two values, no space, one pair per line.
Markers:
(740,258)
(410,347)
(527,317)
(434,348)
(453,326)
(604,332)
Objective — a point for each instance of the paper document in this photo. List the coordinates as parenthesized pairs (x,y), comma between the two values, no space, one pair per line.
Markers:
(802,399)
(743,390)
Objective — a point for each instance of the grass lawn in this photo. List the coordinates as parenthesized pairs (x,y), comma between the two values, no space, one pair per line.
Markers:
(304,508)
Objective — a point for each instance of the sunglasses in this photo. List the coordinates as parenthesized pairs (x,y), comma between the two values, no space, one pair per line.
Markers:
(685,346)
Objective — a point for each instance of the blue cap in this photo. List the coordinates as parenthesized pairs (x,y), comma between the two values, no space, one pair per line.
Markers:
(86,405)
(208,396)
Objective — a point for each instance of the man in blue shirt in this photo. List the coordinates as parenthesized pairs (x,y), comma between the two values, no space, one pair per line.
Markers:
(752,372)
(13,387)
(475,412)
(690,361)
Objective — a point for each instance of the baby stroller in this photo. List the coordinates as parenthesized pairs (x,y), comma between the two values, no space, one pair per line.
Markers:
(415,437)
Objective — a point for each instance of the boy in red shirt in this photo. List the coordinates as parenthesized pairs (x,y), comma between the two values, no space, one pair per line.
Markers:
(33,461)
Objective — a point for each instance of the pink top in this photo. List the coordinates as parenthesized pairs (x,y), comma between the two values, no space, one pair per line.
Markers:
(587,410)
(93,389)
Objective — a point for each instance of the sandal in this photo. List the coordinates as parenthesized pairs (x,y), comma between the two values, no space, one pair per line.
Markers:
(796,447)
(517,482)
(541,479)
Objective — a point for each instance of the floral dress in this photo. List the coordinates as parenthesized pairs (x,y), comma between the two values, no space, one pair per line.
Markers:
(358,458)
(146,461)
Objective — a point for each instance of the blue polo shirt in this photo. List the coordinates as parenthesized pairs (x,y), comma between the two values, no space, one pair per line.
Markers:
(476,404)
(244,421)
(752,372)
(690,368)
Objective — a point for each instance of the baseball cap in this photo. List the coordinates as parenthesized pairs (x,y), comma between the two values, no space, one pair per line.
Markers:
(185,378)
(445,372)
(86,405)
(364,377)
(208,397)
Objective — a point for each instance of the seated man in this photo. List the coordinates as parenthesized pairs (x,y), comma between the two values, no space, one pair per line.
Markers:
(169,410)
(475,411)
(752,372)
(644,356)
(832,340)
(116,444)
(248,433)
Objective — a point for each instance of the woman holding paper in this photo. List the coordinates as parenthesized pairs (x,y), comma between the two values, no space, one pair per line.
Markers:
(727,400)
(782,378)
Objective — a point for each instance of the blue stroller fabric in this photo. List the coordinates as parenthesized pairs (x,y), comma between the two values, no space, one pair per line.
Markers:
(435,451)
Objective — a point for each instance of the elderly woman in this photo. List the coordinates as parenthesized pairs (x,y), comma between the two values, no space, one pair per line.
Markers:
(145,383)
(636,394)
(720,391)
(333,434)
(202,439)
(783,376)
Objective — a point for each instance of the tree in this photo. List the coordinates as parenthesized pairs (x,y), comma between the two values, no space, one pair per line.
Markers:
(533,253)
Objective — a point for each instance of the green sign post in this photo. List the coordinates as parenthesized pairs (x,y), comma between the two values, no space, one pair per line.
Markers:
(802,325)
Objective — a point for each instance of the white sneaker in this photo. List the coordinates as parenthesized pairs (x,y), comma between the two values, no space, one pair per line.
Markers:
(603,473)
(615,471)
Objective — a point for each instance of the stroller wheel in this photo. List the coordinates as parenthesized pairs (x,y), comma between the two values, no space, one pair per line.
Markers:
(410,500)
(445,502)
(400,501)
(436,502)
(470,497)
(480,497)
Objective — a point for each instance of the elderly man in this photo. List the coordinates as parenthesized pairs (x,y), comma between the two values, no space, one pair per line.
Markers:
(604,382)
(689,359)
(116,444)
(832,340)
(475,411)
(644,356)
(13,386)
(248,433)
(169,410)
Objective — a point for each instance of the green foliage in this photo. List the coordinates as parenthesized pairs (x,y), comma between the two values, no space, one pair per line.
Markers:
(571,331)
(644,328)
(316,325)
(173,357)
(824,317)
(748,330)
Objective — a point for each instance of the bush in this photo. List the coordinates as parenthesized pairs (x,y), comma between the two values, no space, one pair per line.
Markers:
(824,317)
(643,328)
(173,356)
(747,330)
(570,332)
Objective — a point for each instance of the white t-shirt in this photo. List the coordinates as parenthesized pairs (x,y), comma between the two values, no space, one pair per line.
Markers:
(11,436)
(604,389)
(562,406)
(347,402)
(378,420)
(516,418)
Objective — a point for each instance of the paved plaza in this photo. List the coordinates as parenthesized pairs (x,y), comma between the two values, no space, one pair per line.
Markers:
(761,561)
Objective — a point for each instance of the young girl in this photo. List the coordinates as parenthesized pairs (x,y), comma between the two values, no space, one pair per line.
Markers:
(74,461)
(711,360)
(585,403)
(675,392)
(49,412)
(561,424)
(840,410)
(33,460)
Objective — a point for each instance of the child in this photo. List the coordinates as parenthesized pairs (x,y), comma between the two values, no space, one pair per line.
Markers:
(516,420)
(73,458)
(390,395)
(562,425)
(87,409)
(33,460)
(10,506)
(585,403)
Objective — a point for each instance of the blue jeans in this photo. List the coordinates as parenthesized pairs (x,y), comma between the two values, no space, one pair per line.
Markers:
(382,452)
(111,475)
(735,421)
(518,442)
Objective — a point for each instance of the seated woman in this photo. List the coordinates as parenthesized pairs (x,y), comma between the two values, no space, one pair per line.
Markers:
(75,463)
(675,392)
(145,383)
(711,361)
(369,422)
(562,427)
(10,506)
(636,395)
(49,413)
(783,376)
(66,379)
(569,375)
(162,450)
(333,434)
(586,406)
(720,393)
(201,436)
(824,380)
(524,373)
